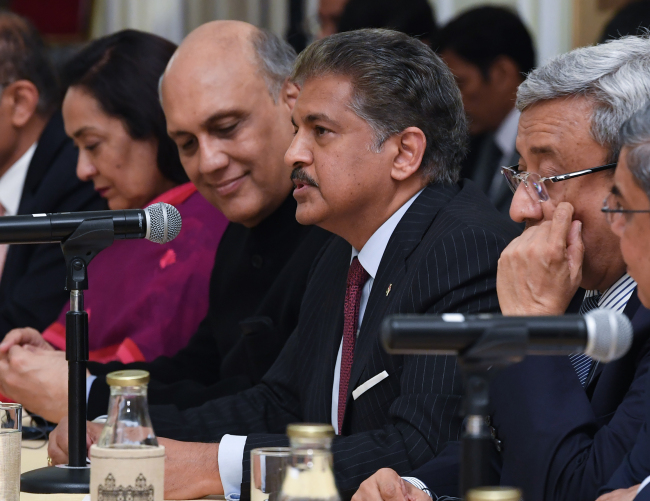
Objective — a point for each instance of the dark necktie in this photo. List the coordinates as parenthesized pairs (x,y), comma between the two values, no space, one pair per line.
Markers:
(581,362)
(357,277)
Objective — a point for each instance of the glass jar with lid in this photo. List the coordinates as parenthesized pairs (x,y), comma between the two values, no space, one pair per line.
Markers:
(128,424)
(310,474)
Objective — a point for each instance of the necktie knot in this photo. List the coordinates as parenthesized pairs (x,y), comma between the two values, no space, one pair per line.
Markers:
(357,275)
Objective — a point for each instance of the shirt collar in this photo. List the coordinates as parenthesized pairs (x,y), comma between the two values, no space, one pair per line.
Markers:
(506,134)
(616,296)
(371,253)
(13,181)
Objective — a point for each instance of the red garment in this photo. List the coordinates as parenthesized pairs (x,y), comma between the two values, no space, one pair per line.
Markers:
(144,299)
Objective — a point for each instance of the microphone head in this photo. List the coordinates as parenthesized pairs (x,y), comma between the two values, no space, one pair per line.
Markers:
(163,223)
(609,335)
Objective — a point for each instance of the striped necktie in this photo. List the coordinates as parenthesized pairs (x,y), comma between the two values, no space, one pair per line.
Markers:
(581,362)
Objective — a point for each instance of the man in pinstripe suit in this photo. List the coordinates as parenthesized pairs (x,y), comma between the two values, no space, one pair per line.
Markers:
(380,132)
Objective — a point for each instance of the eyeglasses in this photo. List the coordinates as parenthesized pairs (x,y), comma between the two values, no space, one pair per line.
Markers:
(615,214)
(534,183)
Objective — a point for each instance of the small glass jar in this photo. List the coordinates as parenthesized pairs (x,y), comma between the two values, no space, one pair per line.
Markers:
(128,424)
(310,474)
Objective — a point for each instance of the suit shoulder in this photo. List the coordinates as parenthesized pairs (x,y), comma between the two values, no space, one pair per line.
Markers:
(471,210)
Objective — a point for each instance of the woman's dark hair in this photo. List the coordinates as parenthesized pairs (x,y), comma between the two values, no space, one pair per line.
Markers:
(121,71)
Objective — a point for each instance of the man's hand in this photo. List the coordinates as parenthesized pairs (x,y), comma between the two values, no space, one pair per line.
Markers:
(620,494)
(23,337)
(387,485)
(191,469)
(57,447)
(36,378)
(541,270)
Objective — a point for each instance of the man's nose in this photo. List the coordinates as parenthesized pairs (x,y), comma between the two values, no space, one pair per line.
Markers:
(212,157)
(298,154)
(524,208)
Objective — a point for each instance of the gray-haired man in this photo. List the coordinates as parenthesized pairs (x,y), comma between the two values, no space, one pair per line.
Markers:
(565,422)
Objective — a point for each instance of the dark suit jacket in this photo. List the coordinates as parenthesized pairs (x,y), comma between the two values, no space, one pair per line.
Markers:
(560,442)
(636,465)
(257,283)
(442,257)
(31,289)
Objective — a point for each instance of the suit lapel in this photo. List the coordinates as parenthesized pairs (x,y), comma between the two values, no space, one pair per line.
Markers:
(393,268)
(52,139)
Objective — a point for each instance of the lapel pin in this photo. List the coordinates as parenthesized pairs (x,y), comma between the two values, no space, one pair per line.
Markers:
(390,286)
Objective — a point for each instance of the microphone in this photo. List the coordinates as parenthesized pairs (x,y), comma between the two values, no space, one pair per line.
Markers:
(159,223)
(604,335)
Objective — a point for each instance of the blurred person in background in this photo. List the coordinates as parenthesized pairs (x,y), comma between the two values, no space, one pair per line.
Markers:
(489,51)
(145,300)
(413,17)
(37,175)
(227,102)
(633,19)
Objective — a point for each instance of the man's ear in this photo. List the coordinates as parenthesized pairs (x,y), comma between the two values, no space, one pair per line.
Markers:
(289,94)
(411,143)
(504,73)
(23,96)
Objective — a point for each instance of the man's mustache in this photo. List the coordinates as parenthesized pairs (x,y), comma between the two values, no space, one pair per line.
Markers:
(299,175)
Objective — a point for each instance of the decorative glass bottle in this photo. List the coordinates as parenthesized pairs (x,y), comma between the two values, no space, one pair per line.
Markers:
(128,424)
(310,474)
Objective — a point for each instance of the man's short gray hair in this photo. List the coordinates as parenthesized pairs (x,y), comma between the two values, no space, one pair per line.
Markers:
(397,82)
(635,137)
(615,75)
(275,59)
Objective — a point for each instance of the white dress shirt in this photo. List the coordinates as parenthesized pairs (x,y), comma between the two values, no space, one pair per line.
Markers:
(614,298)
(231,449)
(13,181)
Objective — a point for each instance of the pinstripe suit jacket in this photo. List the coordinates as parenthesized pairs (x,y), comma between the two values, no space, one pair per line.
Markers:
(442,257)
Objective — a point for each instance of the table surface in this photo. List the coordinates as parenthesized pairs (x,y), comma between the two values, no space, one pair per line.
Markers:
(33,456)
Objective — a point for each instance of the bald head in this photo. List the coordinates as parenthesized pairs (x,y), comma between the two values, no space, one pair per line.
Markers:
(233,43)
(227,101)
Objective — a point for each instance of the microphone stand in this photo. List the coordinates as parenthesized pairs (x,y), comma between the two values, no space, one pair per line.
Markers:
(494,350)
(91,237)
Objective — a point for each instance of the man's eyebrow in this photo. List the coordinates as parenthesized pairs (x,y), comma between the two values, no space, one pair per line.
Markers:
(222,115)
(210,121)
(542,150)
(617,192)
(320,117)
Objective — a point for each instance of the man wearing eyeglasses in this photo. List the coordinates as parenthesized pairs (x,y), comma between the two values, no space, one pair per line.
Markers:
(562,424)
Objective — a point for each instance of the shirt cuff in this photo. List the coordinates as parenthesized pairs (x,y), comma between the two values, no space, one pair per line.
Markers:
(419,484)
(231,456)
(643,484)
(89,383)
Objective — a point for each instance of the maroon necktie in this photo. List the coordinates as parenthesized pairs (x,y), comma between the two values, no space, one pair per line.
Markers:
(357,277)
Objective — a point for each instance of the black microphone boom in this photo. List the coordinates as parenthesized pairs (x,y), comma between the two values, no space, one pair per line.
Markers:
(159,223)
(604,335)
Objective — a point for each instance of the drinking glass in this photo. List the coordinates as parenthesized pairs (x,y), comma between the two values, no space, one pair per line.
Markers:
(10,436)
(268,466)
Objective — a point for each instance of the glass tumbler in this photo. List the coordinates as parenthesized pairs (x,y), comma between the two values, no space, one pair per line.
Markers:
(268,468)
(10,437)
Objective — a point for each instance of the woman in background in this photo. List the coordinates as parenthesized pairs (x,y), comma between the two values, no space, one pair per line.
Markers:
(144,300)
